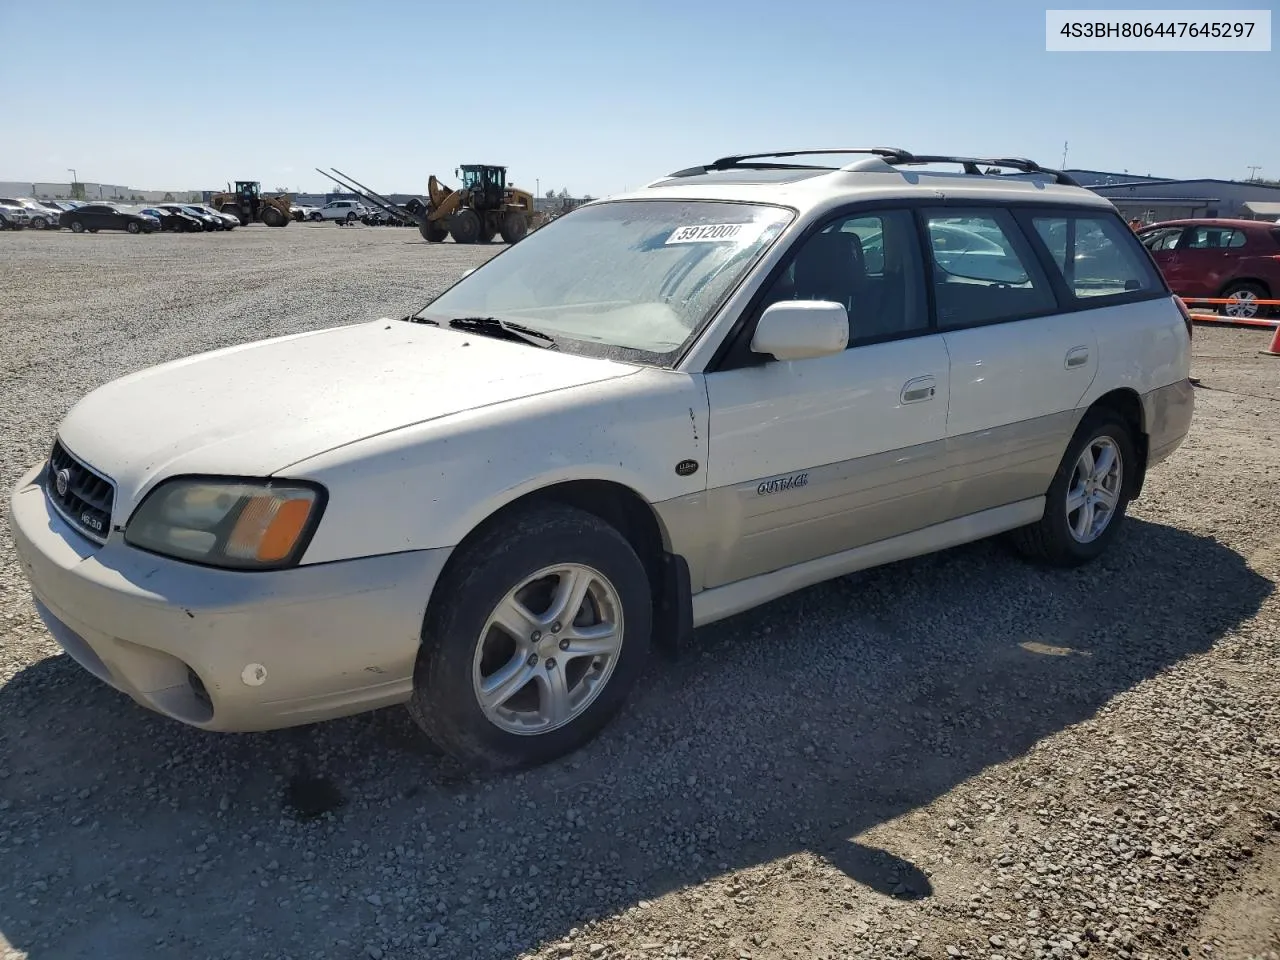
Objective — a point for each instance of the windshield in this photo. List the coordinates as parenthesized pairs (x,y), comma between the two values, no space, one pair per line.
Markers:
(633,279)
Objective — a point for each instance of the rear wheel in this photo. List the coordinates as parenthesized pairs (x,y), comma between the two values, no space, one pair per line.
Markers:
(1086,502)
(272,217)
(235,211)
(514,227)
(464,226)
(487,233)
(40,223)
(133,226)
(540,629)
(1245,296)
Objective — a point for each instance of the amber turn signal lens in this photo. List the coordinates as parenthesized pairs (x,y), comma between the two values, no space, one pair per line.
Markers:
(268,528)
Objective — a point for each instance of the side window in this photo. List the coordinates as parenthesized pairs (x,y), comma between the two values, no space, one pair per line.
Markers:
(1096,256)
(984,270)
(1215,238)
(871,264)
(1166,239)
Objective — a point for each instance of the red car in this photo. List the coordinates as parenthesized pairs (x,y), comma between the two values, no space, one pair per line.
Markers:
(1239,259)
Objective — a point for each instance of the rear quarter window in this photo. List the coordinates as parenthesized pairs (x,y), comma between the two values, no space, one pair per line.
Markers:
(1098,257)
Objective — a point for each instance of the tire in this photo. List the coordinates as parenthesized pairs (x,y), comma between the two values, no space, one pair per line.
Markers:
(351,216)
(77,226)
(487,233)
(1244,291)
(460,647)
(1051,539)
(514,227)
(433,232)
(273,217)
(235,211)
(133,226)
(315,218)
(464,226)
(40,223)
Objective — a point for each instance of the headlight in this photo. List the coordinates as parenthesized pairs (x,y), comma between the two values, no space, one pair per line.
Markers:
(245,525)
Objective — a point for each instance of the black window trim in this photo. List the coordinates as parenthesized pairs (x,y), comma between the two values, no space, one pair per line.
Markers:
(1067,298)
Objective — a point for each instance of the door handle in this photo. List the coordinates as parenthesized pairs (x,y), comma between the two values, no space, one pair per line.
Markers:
(1077,357)
(918,389)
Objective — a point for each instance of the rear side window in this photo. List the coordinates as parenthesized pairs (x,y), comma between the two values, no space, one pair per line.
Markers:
(984,270)
(1215,238)
(1096,256)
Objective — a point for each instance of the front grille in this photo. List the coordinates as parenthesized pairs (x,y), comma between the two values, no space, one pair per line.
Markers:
(81,495)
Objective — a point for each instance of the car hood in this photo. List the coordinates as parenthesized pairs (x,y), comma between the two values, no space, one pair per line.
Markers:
(254,409)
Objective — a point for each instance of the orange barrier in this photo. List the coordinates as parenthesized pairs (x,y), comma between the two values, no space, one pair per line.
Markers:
(1223,318)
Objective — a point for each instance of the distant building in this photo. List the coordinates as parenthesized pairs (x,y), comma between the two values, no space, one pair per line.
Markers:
(1151,198)
(92,191)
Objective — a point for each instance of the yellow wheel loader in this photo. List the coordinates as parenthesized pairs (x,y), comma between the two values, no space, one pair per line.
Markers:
(249,205)
(485,206)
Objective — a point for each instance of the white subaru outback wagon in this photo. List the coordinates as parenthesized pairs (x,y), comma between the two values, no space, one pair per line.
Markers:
(660,410)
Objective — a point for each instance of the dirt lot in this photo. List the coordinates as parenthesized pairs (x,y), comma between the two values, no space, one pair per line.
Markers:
(960,756)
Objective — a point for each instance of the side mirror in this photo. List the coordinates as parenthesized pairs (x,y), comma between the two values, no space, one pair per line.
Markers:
(801,329)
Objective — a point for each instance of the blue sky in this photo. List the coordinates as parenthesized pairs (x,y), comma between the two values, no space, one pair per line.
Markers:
(595,97)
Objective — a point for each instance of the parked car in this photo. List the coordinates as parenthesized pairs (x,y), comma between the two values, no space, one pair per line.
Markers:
(302,211)
(209,221)
(348,210)
(1219,258)
(657,411)
(227,220)
(14,216)
(39,217)
(104,216)
(177,221)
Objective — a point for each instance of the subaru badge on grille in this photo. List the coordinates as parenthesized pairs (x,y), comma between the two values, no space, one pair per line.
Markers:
(62,480)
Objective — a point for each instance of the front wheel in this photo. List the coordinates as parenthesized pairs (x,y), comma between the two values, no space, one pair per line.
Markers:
(539,630)
(77,226)
(1086,502)
(433,232)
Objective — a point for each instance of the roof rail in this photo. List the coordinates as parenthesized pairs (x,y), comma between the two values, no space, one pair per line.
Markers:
(890,155)
(742,160)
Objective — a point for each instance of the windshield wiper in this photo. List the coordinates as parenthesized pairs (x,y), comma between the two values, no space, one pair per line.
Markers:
(494,326)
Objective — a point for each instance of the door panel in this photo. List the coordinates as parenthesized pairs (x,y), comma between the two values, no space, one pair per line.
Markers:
(812,457)
(1015,388)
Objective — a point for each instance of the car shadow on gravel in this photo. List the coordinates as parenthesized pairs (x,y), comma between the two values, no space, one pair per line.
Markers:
(797,727)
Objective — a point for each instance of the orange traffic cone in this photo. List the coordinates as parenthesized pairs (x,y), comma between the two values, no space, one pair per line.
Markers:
(1274,349)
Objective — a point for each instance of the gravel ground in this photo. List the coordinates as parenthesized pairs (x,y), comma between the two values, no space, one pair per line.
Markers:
(959,756)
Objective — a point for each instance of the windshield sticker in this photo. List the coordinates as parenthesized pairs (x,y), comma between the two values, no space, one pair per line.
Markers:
(717,233)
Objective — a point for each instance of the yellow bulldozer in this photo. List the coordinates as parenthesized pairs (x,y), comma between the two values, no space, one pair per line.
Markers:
(250,206)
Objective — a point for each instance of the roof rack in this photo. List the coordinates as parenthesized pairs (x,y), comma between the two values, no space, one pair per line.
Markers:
(890,155)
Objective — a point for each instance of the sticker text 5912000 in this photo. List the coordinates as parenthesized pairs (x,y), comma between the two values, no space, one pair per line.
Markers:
(716,232)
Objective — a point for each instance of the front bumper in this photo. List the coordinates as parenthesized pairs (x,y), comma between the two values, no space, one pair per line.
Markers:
(226,650)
